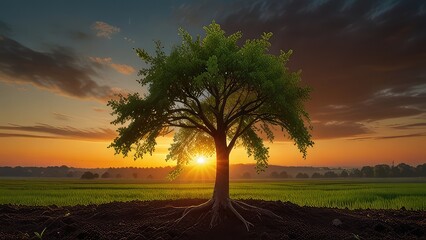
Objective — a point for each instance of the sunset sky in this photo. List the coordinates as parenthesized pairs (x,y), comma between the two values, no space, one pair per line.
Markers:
(60,61)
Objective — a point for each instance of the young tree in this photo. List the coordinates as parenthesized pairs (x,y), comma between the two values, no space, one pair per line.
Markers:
(216,94)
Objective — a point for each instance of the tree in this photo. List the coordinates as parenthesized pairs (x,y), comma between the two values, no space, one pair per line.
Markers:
(215,95)
(355,173)
(106,175)
(89,175)
(344,174)
(284,174)
(367,171)
(421,170)
(330,174)
(302,175)
(317,175)
(406,170)
(394,172)
(135,175)
(382,170)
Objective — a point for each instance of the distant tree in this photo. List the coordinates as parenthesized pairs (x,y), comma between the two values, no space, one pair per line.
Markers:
(64,167)
(150,177)
(106,175)
(382,171)
(421,170)
(246,175)
(95,175)
(274,175)
(118,175)
(406,170)
(355,173)
(135,175)
(317,175)
(88,175)
(367,171)
(344,174)
(302,175)
(284,174)
(395,172)
(330,174)
(215,92)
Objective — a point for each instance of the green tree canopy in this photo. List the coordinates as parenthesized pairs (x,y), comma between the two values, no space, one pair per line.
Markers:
(212,84)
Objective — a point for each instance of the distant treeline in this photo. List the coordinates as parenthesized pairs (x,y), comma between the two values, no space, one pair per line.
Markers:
(378,171)
(237,171)
(69,172)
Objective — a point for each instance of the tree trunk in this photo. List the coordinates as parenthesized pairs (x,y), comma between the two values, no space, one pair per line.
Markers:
(221,187)
(220,203)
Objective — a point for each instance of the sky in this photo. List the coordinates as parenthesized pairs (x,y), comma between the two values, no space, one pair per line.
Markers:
(60,62)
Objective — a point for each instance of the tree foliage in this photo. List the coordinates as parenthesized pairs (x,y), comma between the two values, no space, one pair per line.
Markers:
(209,87)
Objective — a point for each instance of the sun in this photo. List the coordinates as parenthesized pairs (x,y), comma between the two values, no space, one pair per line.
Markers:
(200,160)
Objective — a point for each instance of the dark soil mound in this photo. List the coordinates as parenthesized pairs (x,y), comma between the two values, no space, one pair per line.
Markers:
(156,220)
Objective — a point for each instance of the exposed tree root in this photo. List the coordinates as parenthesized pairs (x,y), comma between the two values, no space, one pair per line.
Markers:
(246,223)
(194,208)
(218,208)
(258,210)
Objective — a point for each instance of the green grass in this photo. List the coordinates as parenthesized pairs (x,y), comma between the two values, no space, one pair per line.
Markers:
(353,194)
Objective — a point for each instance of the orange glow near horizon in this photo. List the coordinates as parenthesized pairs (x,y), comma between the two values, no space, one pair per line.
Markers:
(334,153)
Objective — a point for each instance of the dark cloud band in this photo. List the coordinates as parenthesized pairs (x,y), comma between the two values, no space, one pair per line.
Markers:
(58,71)
(48,131)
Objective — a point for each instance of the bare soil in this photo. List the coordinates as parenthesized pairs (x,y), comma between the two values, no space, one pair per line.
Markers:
(156,220)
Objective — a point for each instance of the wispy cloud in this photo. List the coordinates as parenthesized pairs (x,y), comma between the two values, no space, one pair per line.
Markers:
(60,116)
(391,136)
(127,39)
(409,126)
(57,70)
(101,110)
(121,68)
(5,135)
(104,30)
(335,129)
(48,131)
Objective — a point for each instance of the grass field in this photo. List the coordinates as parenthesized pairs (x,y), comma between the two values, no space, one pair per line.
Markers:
(350,193)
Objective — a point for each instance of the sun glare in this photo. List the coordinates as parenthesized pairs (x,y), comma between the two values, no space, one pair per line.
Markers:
(200,160)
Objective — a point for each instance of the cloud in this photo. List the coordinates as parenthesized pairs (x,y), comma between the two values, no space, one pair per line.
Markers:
(5,135)
(384,104)
(121,68)
(48,131)
(334,129)
(57,70)
(60,116)
(392,136)
(127,39)
(364,59)
(101,110)
(104,30)
(410,126)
